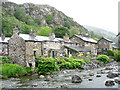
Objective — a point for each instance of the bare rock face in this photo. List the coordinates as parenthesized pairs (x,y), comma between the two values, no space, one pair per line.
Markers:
(76,79)
(109,83)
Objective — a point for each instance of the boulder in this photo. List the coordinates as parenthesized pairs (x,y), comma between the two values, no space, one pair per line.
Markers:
(109,83)
(117,81)
(76,79)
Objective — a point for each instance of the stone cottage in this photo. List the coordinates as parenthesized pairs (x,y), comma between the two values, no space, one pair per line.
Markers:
(104,44)
(23,48)
(86,44)
(4,45)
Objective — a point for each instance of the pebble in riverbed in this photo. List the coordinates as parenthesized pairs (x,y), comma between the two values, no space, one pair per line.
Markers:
(90,79)
(42,76)
(98,75)
(76,79)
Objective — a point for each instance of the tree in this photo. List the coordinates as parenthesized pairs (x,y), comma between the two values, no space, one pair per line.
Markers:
(74,30)
(44,31)
(49,19)
(61,31)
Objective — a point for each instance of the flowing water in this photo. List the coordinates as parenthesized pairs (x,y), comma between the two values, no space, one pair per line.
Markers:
(60,78)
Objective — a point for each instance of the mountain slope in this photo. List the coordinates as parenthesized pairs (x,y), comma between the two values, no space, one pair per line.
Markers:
(35,16)
(102,33)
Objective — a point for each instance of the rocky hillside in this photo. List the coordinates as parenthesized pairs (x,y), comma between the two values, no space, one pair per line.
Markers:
(32,15)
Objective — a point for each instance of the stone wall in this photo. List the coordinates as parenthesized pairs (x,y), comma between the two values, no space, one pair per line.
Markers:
(4,48)
(104,44)
(33,49)
(17,50)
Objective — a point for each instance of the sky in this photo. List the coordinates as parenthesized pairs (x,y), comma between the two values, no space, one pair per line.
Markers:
(98,13)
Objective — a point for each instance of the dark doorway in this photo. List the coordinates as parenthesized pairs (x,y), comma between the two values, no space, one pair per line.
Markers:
(30,64)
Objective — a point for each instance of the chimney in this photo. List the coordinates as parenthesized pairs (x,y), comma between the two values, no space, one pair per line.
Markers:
(2,37)
(32,34)
(16,30)
(52,36)
(66,37)
(80,34)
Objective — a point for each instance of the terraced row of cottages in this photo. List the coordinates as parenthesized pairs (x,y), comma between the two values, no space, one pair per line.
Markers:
(23,48)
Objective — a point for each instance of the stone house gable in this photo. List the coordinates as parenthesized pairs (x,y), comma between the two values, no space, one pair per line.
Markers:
(17,50)
(104,45)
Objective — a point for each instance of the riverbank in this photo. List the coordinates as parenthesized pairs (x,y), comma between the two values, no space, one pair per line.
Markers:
(93,77)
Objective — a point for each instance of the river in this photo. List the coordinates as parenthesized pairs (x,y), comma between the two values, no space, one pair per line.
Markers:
(64,77)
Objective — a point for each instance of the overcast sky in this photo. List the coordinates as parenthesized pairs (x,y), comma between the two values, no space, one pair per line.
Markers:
(98,13)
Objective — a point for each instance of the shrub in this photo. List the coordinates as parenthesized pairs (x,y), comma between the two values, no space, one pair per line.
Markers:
(6,59)
(76,65)
(60,61)
(116,55)
(28,69)
(103,58)
(110,53)
(66,65)
(46,65)
(10,70)
(87,60)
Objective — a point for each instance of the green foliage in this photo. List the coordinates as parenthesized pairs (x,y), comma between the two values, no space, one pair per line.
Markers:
(110,53)
(116,55)
(28,69)
(46,65)
(66,65)
(61,31)
(103,58)
(87,60)
(10,70)
(8,23)
(44,31)
(6,59)
(49,19)
(37,20)
(74,30)
(20,14)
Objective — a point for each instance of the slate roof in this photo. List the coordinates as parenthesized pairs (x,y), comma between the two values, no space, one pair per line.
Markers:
(5,40)
(44,38)
(87,39)
(106,39)
(78,49)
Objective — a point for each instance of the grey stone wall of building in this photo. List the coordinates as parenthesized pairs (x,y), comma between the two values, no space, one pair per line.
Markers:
(17,50)
(33,49)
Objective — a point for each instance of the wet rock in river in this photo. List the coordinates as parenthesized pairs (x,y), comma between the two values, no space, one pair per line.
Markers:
(109,83)
(91,74)
(48,78)
(42,76)
(109,68)
(117,81)
(90,79)
(76,79)
(34,85)
(64,86)
(112,75)
(98,75)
